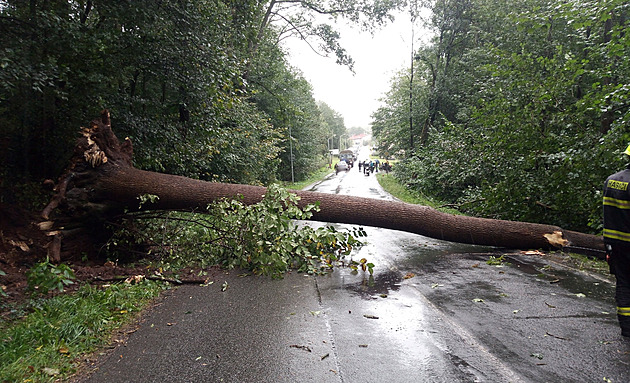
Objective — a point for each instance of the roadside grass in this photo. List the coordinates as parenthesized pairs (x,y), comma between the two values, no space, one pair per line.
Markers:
(47,343)
(314,177)
(590,264)
(395,188)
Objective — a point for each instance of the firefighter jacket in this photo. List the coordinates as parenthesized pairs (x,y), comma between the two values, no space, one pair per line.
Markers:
(617,209)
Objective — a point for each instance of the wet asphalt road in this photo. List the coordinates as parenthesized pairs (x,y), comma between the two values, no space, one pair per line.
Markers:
(434,311)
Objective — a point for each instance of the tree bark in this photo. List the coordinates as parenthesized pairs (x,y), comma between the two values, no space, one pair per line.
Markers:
(101,182)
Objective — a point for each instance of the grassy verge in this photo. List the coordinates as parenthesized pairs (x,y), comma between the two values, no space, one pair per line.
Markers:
(395,188)
(47,344)
(316,176)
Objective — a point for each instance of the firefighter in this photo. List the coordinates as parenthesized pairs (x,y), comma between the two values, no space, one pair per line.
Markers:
(617,239)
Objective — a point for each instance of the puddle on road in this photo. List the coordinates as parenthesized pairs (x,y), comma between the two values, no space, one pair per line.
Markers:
(373,287)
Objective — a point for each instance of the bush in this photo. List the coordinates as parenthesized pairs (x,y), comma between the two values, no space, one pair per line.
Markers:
(45,276)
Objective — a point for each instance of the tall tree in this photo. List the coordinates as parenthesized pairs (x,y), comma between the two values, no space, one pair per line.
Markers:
(286,97)
(531,112)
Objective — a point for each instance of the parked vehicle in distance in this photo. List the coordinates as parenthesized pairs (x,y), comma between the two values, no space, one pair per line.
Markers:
(341,166)
(348,156)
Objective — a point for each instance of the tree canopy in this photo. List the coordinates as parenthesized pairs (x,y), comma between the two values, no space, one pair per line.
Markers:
(521,109)
(202,87)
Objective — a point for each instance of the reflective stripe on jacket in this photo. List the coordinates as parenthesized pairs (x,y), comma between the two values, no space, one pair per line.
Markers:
(617,208)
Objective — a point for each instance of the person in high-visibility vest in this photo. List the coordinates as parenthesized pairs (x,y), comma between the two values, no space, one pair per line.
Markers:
(617,239)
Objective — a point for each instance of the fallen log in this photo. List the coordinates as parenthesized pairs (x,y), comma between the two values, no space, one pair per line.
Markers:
(101,182)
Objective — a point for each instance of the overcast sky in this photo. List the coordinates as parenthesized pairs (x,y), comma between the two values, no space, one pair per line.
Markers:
(376,58)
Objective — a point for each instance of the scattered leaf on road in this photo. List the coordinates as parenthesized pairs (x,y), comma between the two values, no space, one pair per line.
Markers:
(533,252)
(409,275)
(224,286)
(301,347)
(363,345)
(554,336)
(580,295)
(537,355)
(370,316)
(478,300)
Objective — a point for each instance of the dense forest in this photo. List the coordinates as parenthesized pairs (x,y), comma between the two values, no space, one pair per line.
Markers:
(202,88)
(514,110)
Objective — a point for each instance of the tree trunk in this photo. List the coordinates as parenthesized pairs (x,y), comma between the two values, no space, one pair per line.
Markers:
(101,182)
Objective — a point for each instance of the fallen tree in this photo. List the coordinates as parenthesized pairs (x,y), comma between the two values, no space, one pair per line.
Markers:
(101,182)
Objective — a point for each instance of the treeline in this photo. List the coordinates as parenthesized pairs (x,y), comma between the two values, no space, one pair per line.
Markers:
(202,87)
(517,110)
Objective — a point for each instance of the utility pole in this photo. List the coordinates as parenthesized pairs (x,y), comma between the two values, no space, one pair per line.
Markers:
(291,154)
(411,87)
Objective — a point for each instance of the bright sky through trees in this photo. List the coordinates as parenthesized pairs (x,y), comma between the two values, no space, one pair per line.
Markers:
(377,58)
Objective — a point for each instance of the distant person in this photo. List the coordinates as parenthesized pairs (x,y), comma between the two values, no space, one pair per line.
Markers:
(617,239)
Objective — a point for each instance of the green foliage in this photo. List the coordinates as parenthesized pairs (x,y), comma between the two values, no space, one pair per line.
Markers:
(286,97)
(45,277)
(262,237)
(522,121)
(496,261)
(363,264)
(202,88)
(45,344)
(147,199)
